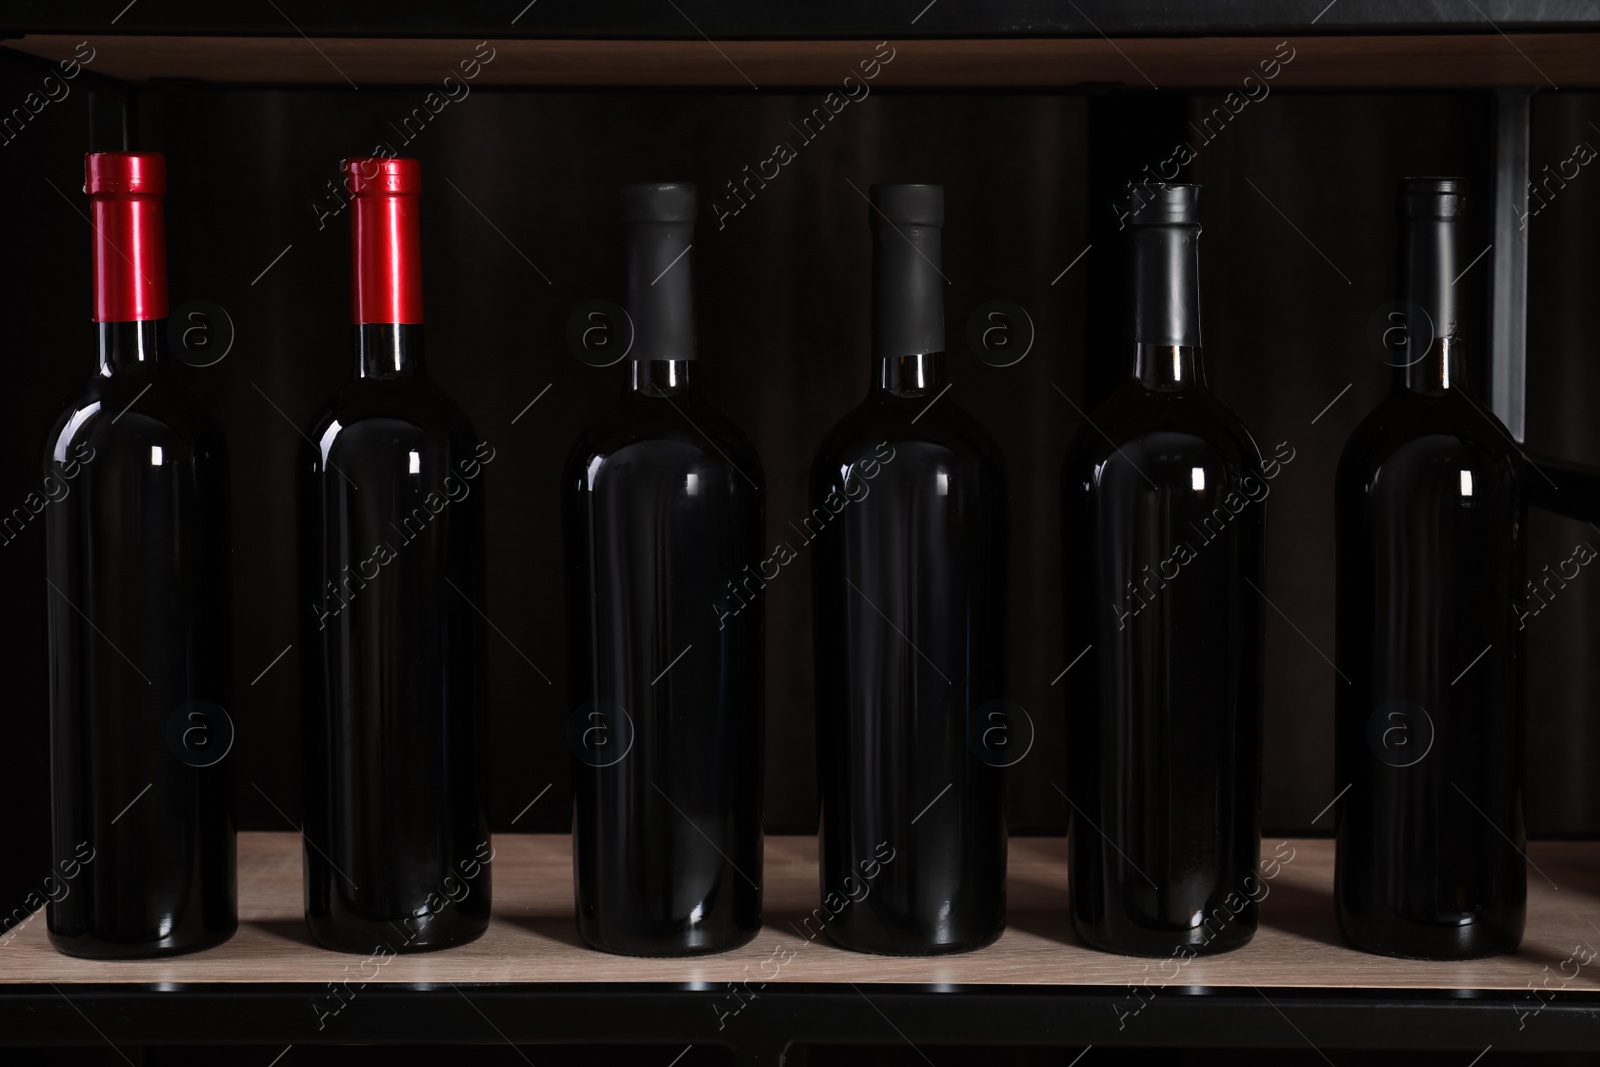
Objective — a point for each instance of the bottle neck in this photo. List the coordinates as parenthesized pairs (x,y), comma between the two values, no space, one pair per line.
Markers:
(1164,274)
(386,283)
(131,346)
(661,292)
(1440,370)
(388,350)
(661,377)
(1429,266)
(129,256)
(907,290)
(1168,368)
(385,259)
(909,376)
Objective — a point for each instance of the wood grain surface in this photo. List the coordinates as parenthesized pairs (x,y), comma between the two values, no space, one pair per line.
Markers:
(1564,60)
(532,937)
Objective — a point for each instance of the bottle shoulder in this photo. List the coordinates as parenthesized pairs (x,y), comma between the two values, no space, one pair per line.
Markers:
(133,410)
(367,404)
(936,427)
(679,434)
(1188,426)
(1415,430)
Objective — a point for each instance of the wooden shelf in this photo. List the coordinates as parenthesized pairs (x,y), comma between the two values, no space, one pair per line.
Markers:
(785,19)
(532,938)
(1545,60)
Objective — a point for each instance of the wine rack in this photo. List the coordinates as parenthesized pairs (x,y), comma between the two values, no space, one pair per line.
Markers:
(1121,81)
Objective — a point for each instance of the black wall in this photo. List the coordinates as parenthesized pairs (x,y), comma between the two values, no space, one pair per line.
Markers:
(516,179)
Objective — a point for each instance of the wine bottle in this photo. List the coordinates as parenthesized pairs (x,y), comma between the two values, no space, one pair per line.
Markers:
(1430,512)
(396,840)
(663,500)
(908,506)
(1163,497)
(135,502)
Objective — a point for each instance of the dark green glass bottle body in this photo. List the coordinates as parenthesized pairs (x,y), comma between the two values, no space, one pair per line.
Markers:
(663,504)
(137,562)
(1163,503)
(1430,513)
(907,528)
(397,843)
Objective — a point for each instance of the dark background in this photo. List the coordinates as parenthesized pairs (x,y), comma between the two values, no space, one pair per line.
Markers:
(519,178)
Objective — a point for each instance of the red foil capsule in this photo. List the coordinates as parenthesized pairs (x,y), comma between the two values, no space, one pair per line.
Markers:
(126,191)
(385,239)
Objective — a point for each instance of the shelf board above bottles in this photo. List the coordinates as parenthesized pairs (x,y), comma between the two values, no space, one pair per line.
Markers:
(778,19)
(1320,61)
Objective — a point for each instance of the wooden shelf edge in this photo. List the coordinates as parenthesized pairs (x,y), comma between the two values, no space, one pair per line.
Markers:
(1567,60)
(532,938)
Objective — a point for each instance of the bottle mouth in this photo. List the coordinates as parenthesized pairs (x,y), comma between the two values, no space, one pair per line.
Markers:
(659,202)
(382,176)
(1433,198)
(1158,204)
(134,173)
(906,205)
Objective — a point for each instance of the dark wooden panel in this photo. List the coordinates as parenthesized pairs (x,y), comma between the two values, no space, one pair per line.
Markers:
(1562,384)
(516,180)
(520,188)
